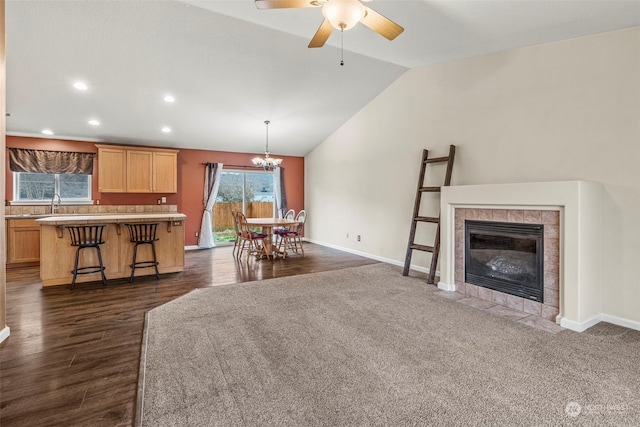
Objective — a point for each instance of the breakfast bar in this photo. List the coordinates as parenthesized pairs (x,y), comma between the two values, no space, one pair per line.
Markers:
(57,254)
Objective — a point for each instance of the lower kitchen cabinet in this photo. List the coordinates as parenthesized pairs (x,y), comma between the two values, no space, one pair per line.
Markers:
(23,242)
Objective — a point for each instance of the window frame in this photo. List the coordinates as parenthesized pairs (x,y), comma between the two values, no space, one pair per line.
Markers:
(244,173)
(56,188)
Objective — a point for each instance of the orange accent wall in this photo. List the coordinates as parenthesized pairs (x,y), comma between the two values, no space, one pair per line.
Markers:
(190,178)
(191,182)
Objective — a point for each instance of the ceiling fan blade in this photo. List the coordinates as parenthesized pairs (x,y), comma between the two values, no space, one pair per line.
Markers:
(322,34)
(283,4)
(381,25)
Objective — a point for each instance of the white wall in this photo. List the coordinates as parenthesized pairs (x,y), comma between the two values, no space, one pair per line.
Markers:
(568,110)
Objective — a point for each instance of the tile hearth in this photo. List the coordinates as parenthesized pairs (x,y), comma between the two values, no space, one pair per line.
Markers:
(503,311)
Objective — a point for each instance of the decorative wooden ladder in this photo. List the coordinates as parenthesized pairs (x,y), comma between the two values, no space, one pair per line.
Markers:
(435,249)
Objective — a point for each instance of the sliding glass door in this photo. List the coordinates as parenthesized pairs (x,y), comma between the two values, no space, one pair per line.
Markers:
(248,192)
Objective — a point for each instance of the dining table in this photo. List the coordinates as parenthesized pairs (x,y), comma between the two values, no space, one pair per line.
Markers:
(267,225)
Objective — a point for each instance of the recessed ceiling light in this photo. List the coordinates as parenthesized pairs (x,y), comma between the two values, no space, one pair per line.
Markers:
(94,122)
(47,132)
(169,98)
(80,86)
(166,129)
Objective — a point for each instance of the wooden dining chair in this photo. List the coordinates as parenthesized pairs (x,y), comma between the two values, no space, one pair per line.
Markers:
(290,215)
(292,238)
(236,228)
(253,239)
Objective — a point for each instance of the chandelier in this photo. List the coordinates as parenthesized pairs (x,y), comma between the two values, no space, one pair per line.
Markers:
(268,163)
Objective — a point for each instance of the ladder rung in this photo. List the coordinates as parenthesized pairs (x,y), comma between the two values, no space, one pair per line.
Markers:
(437,160)
(422,247)
(427,219)
(430,189)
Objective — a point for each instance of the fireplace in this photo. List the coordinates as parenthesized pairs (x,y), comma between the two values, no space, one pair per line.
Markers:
(506,257)
(571,212)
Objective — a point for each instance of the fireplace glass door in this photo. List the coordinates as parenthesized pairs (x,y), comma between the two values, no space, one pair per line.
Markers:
(506,257)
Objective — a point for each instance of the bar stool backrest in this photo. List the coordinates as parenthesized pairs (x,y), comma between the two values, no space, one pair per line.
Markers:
(142,232)
(86,235)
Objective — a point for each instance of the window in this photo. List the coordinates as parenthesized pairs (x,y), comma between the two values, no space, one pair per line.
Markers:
(248,192)
(40,187)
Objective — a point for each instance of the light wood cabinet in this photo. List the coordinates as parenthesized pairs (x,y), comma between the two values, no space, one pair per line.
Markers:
(112,172)
(23,242)
(137,170)
(165,172)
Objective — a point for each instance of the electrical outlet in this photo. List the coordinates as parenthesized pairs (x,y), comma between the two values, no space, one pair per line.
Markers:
(197,234)
(347,235)
(358,238)
(158,201)
(164,199)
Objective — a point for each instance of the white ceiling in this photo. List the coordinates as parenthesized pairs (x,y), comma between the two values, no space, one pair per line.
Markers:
(231,66)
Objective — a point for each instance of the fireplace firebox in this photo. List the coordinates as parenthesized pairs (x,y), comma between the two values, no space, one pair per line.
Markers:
(506,257)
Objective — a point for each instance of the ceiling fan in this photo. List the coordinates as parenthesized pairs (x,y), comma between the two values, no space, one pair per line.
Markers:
(339,14)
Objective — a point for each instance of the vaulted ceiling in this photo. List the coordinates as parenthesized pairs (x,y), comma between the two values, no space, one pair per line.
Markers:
(230,66)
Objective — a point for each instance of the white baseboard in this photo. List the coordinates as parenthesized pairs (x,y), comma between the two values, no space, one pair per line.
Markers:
(370,256)
(4,333)
(579,326)
(627,323)
(602,317)
(451,287)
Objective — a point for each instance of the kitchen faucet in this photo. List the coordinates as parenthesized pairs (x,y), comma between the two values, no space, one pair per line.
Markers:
(54,205)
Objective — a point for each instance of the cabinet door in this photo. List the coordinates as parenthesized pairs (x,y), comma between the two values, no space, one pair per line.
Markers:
(165,173)
(23,242)
(112,171)
(139,171)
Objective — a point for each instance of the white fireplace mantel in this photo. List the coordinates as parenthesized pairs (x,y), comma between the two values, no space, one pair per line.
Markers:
(580,206)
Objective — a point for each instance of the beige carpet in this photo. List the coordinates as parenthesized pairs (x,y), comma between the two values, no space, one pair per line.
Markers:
(366,347)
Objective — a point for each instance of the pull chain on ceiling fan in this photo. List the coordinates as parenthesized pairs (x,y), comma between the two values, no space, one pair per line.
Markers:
(339,14)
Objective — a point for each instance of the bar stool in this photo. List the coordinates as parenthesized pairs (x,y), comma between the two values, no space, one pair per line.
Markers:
(87,236)
(143,234)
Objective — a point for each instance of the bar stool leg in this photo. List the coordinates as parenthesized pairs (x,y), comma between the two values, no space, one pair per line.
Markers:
(75,268)
(133,266)
(155,260)
(104,279)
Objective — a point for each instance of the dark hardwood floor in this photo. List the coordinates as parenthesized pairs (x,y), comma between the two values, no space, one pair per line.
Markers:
(72,357)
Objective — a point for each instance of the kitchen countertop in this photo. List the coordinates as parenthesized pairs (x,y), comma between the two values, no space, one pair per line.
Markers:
(34,216)
(104,218)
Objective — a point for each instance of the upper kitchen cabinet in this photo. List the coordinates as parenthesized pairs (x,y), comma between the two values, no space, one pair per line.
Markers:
(112,172)
(137,170)
(165,171)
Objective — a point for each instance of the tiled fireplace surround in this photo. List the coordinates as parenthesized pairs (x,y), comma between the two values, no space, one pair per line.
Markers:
(547,310)
(572,214)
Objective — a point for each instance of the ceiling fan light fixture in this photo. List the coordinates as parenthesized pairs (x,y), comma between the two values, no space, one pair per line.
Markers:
(343,14)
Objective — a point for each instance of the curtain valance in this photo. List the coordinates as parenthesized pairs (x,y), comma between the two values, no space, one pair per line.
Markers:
(44,161)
